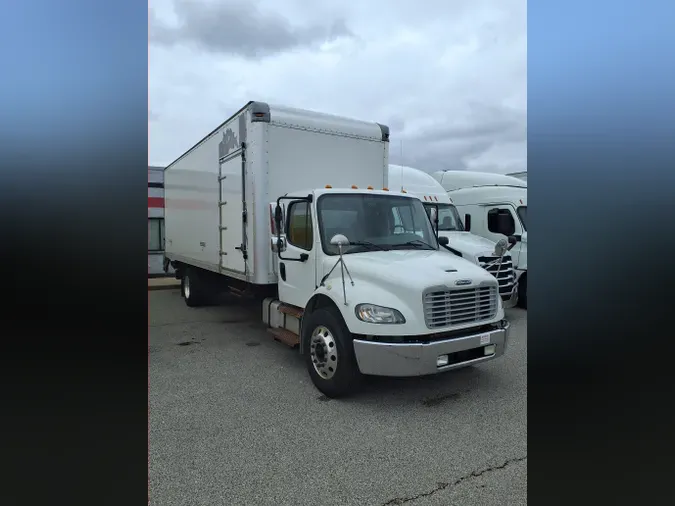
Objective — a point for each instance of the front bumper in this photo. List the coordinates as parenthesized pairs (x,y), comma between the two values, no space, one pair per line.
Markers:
(420,359)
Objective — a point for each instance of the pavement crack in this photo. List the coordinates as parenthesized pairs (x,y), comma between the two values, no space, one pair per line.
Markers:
(444,485)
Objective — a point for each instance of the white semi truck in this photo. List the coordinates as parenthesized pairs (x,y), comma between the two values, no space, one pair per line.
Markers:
(292,207)
(493,206)
(472,247)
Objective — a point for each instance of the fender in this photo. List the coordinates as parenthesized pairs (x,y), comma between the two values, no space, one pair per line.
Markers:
(366,293)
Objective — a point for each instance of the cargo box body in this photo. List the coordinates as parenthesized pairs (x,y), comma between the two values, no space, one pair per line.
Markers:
(218,194)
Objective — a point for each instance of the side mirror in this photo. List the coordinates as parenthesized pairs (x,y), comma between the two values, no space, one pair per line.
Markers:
(443,240)
(277,244)
(278,217)
(505,224)
(467,222)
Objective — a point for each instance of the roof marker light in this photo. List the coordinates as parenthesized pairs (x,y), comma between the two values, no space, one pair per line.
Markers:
(436,198)
(328,186)
(425,197)
(370,187)
(354,187)
(403,191)
(385,189)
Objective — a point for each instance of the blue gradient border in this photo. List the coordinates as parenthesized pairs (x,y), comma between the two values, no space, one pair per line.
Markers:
(73,156)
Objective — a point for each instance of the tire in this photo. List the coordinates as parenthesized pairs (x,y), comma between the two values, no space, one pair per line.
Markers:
(191,288)
(522,293)
(339,375)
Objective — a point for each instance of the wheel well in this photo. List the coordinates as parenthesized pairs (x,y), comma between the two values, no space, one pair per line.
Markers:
(319,301)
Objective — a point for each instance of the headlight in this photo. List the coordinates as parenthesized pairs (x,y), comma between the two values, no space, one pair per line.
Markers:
(370,313)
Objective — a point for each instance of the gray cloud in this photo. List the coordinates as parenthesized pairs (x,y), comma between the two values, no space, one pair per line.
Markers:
(453,142)
(239,28)
(450,79)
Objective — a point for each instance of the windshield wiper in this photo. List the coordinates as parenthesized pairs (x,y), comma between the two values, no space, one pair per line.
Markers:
(367,244)
(416,242)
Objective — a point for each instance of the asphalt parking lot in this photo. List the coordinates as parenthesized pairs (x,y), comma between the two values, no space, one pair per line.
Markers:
(235,420)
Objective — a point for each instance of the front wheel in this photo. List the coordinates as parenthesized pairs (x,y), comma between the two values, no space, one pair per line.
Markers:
(329,353)
(522,292)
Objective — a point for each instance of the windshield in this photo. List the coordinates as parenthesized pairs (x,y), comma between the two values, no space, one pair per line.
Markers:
(448,217)
(374,222)
(522,214)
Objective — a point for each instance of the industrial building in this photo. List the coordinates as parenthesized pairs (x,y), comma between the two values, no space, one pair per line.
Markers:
(155,221)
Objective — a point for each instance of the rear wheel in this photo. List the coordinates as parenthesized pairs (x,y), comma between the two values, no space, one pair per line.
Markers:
(193,289)
(522,292)
(329,353)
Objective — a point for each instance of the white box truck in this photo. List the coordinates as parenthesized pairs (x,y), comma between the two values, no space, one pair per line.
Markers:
(292,206)
(493,206)
(472,247)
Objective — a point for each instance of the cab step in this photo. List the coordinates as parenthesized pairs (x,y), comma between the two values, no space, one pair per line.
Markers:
(285,336)
(291,310)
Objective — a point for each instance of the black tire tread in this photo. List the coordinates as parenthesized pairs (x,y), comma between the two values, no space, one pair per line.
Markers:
(348,377)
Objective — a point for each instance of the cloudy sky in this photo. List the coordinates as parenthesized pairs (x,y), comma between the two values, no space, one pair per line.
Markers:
(448,77)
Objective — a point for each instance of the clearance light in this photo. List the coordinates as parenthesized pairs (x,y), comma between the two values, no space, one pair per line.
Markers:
(403,191)
(521,201)
(436,199)
(328,186)
(385,189)
(354,187)
(370,187)
(425,197)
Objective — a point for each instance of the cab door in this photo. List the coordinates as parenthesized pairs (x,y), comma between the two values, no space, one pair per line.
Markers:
(297,256)
(501,223)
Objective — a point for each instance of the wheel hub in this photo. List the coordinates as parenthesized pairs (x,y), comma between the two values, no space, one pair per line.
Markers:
(323,352)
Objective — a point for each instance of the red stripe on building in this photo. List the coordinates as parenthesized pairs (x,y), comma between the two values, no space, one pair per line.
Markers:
(156,202)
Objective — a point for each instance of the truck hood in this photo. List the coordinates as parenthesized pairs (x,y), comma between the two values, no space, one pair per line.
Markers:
(407,269)
(466,242)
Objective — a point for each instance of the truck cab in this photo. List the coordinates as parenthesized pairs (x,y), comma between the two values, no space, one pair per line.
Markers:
(370,290)
(492,206)
(474,248)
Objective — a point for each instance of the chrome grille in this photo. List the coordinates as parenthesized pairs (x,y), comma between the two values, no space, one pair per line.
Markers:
(457,307)
(506,277)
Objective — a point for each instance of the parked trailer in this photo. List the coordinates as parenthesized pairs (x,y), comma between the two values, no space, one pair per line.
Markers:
(293,206)
(494,206)
(474,248)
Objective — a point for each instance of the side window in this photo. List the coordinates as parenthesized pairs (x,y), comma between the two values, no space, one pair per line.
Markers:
(500,221)
(299,231)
